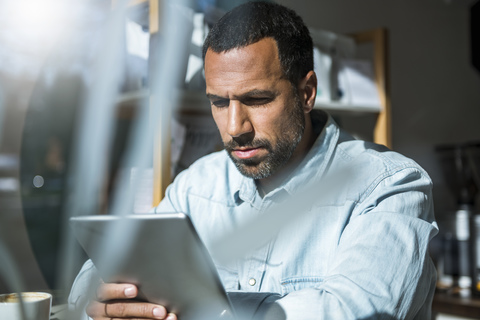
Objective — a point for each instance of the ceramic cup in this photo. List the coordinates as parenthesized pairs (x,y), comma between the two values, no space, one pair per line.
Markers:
(37,306)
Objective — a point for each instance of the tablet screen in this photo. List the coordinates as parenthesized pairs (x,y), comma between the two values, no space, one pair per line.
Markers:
(161,254)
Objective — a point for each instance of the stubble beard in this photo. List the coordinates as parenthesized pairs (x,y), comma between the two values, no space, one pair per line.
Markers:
(278,154)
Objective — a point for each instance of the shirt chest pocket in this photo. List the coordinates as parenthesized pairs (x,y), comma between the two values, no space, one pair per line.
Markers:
(298,283)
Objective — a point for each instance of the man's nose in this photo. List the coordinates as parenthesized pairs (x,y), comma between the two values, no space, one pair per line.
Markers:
(238,119)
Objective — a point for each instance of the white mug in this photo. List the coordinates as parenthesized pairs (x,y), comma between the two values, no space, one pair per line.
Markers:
(37,306)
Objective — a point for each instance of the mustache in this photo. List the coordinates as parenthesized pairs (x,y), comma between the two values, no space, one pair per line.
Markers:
(236,143)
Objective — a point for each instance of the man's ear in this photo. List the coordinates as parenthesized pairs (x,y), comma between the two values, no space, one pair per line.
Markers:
(308,91)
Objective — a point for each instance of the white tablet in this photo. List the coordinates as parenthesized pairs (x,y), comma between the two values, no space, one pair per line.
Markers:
(160,253)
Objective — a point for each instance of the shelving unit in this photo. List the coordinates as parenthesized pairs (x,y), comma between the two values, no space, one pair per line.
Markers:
(382,129)
(378,37)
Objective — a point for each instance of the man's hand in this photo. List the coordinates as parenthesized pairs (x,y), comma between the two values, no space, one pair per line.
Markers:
(113,301)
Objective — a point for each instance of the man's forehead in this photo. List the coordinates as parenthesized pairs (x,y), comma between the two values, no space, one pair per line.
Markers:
(262,54)
(240,70)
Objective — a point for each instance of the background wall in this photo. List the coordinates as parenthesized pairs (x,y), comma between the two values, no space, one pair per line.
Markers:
(435,92)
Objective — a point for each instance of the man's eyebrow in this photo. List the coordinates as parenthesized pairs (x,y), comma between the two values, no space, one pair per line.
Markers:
(215,97)
(250,94)
(258,93)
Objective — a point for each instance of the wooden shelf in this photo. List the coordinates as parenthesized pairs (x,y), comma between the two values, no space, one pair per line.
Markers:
(144,12)
(379,38)
(193,103)
(189,102)
(133,97)
(456,305)
(343,107)
(127,103)
(376,38)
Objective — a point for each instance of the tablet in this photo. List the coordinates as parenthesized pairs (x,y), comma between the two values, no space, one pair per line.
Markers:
(161,254)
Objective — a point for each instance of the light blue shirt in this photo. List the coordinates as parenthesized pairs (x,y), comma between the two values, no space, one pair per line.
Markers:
(361,254)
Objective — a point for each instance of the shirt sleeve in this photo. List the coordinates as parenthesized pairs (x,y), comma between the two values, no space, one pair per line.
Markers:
(81,290)
(382,269)
(175,199)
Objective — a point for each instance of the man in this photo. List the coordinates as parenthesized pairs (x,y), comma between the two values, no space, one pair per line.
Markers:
(359,253)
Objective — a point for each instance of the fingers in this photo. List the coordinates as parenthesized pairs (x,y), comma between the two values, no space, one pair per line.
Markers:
(112,302)
(127,309)
(171,316)
(111,291)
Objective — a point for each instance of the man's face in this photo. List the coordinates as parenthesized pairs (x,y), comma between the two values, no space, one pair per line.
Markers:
(258,113)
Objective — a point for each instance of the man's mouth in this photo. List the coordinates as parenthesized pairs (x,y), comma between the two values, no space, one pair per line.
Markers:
(245,153)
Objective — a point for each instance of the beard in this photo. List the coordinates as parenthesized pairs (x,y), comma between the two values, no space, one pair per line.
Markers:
(278,154)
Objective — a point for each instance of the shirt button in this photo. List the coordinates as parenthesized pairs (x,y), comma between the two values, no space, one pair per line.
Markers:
(252,282)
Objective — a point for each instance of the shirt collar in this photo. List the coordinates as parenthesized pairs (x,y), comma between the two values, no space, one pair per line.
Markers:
(316,162)
(247,189)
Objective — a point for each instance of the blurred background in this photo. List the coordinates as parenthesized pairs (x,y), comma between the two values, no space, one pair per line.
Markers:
(49,69)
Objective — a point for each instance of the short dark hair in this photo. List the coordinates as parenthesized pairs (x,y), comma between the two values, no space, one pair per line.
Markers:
(254,21)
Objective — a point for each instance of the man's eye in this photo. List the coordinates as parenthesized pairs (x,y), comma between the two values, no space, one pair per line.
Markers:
(220,103)
(257,101)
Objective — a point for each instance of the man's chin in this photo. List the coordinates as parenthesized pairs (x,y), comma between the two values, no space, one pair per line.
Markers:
(248,167)
(247,163)
(251,172)
(253,167)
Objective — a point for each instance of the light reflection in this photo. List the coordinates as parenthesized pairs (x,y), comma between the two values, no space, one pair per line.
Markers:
(30,24)
(38,181)
(32,30)
(39,16)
